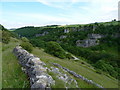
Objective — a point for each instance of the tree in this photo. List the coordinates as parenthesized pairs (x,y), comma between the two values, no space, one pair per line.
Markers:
(55,49)
(27,46)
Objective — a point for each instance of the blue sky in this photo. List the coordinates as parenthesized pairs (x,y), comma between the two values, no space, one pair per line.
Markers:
(19,13)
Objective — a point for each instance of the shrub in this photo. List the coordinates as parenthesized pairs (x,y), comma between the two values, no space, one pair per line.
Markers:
(27,46)
(24,39)
(38,43)
(104,66)
(69,56)
(98,71)
(5,37)
(55,49)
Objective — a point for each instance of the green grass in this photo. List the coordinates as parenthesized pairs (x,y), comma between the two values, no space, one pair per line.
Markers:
(0,59)
(12,75)
(0,65)
(78,68)
(58,83)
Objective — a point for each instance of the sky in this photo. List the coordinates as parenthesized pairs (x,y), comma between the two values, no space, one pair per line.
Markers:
(20,13)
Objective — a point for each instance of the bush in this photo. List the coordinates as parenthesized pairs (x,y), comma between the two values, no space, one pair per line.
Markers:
(27,46)
(98,71)
(69,56)
(5,37)
(55,49)
(24,39)
(104,66)
(37,43)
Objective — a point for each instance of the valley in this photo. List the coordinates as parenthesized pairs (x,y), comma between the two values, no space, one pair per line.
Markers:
(93,61)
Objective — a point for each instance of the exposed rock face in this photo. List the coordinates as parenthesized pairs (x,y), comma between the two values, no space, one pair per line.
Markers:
(34,68)
(77,75)
(91,41)
(66,31)
(43,34)
(94,27)
(94,36)
(87,42)
(63,36)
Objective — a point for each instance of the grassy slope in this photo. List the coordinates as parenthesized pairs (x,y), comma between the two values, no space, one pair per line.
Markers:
(12,75)
(78,68)
(0,65)
(0,59)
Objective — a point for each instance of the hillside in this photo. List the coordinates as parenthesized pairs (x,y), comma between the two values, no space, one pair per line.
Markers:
(98,43)
(97,63)
(14,77)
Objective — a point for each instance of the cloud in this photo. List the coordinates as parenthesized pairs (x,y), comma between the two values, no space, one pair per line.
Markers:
(17,0)
(62,4)
(72,12)
(36,19)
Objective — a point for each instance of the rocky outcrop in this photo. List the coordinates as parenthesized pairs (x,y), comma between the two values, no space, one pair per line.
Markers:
(63,36)
(94,36)
(92,40)
(62,75)
(87,42)
(78,76)
(43,34)
(34,68)
(66,31)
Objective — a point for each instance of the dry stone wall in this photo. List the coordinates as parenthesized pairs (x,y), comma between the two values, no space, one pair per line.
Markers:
(78,76)
(34,68)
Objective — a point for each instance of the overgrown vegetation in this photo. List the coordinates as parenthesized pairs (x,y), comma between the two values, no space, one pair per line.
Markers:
(6,35)
(26,44)
(55,49)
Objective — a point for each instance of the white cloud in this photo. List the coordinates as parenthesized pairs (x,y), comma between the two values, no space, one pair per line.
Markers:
(36,19)
(63,4)
(94,11)
(17,0)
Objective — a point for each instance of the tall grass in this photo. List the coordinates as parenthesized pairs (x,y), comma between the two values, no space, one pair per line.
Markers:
(0,65)
(12,75)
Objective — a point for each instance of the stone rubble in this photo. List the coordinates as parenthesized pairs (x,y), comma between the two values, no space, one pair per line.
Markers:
(34,68)
(78,76)
(64,77)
